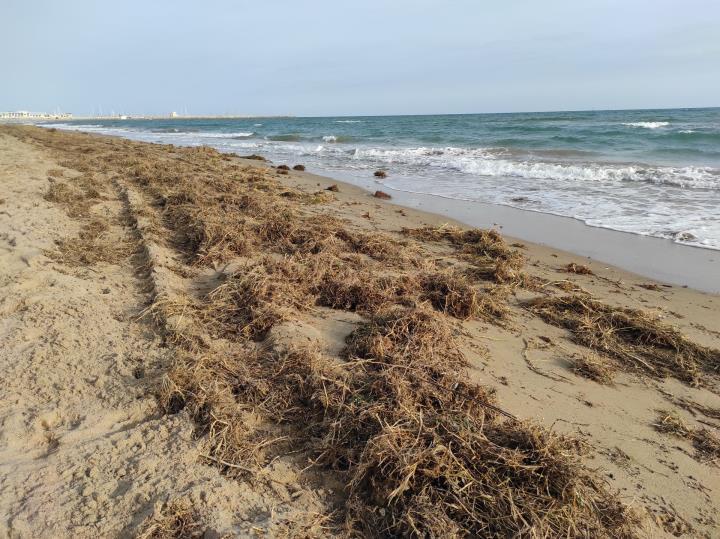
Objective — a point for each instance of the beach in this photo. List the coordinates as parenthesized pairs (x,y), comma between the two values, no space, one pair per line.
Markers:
(198,341)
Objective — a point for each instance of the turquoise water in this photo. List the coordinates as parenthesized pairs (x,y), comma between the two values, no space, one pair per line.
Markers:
(650,172)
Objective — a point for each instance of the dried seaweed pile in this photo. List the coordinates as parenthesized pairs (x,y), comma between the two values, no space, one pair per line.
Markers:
(442,456)
(76,195)
(639,341)
(705,441)
(490,255)
(176,519)
(92,245)
(593,367)
(425,453)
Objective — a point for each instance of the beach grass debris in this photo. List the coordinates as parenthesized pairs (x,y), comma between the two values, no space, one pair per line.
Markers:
(705,441)
(638,340)
(361,290)
(593,367)
(435,451)
(650,286)
(671,423)
(77,197)
(177,519)
(259,295)
(486,250)
(452,293)
(91,246)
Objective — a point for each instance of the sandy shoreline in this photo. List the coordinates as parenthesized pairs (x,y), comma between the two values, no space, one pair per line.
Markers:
(259,288)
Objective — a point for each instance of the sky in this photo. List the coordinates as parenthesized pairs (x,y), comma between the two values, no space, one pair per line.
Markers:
(336,57)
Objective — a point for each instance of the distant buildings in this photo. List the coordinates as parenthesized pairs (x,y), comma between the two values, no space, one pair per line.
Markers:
(27,115)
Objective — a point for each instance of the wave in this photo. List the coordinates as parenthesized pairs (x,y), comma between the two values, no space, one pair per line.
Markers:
(390,154)
(349,121)
(490,162)
(647,125)
(336,138)
(72,126)
(240,134)
(171,130)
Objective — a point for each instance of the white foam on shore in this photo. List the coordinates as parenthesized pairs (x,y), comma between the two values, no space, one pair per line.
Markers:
(485,162)
(239,134)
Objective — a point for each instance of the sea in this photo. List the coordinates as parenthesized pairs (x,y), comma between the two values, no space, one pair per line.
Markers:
(648,172)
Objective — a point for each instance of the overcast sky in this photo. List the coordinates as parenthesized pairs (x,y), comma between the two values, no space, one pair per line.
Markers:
(335,57)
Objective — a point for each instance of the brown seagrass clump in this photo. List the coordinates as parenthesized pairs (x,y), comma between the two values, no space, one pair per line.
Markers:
(640,342)
(490,255)
(453,294)
(177,519)
(91,246)
(436,457)
(261,294)
(593,367)
(705,441)
(578,269)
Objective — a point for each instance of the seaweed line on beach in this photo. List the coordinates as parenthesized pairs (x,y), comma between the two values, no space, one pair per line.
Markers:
(423,451)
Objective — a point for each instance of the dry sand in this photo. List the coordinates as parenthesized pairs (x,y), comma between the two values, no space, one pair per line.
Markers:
(85,450)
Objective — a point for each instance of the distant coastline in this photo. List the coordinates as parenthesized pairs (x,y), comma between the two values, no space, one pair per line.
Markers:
(69,117)
(177,117)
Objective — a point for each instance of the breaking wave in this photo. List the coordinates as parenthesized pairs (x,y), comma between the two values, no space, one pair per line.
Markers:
(647,125)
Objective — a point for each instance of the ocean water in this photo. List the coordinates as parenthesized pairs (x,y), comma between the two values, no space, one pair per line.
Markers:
(649,172)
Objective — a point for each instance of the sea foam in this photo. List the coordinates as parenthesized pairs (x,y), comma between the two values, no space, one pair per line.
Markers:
(647,125)
(490,162)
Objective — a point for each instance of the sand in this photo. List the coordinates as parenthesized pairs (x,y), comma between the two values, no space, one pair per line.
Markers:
(86,451)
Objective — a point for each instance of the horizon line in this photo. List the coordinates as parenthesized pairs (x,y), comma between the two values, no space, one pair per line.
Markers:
(343,115)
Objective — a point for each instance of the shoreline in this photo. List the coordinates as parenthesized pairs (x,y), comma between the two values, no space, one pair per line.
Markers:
(648,257)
